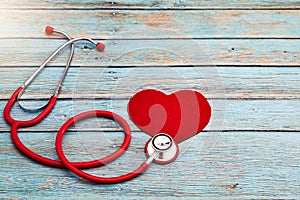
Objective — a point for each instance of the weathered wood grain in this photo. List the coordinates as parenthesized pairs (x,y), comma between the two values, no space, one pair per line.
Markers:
(227,115)
(151,4)
(218,82)
(247,51)
(265,166)
(122,24)
(265,52)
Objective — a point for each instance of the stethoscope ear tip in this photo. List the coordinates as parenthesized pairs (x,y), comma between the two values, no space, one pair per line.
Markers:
(49,29)
(100,46)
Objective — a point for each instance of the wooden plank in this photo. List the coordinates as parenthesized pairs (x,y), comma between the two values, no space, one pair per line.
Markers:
(137,24)
(151,4)
(227,115)
(265,166)
(218,82)
(266,52)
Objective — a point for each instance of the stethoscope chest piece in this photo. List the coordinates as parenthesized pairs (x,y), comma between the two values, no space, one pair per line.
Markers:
(167,150)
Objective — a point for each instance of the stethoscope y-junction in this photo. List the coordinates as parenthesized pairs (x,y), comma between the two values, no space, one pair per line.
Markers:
(184,114)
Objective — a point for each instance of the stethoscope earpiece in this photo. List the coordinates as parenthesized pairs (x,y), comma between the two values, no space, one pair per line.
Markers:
(49,29)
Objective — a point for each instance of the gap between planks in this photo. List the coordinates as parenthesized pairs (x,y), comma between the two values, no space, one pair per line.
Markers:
(156,9)
(151,4)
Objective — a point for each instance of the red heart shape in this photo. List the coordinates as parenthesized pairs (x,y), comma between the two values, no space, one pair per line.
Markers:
(181,115)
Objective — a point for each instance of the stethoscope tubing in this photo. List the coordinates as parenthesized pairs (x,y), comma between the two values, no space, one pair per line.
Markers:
(48,30)
(86,164)
(15,124)
(27,123)
(97,179)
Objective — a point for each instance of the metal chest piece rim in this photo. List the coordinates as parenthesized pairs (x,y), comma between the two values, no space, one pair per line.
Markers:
(165,146)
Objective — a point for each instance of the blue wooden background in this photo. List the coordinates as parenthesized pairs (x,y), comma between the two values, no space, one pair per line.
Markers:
(244,56)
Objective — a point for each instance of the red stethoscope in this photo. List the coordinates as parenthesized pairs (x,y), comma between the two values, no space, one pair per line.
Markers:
(161,148)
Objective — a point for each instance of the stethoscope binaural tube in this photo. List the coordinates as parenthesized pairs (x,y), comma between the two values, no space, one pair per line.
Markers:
(52,101)
(48,30)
